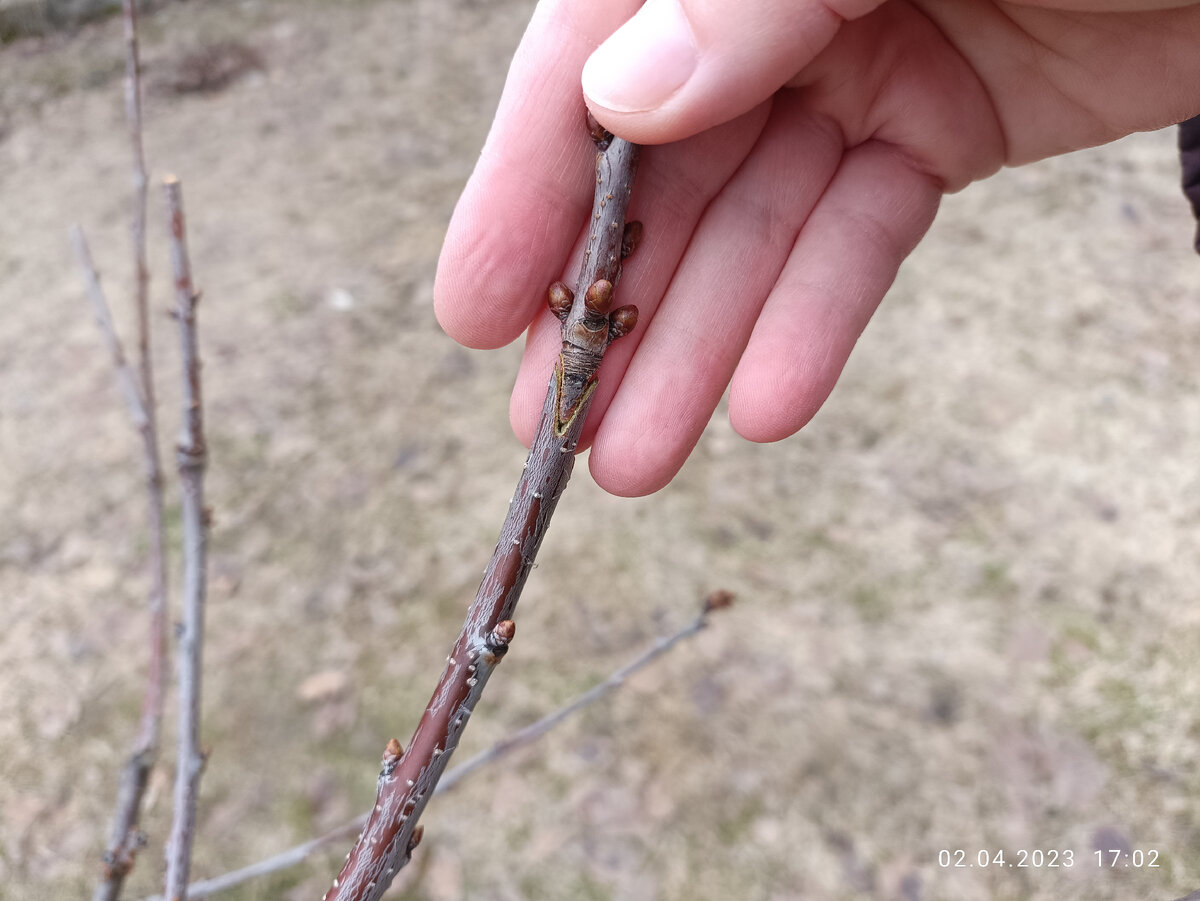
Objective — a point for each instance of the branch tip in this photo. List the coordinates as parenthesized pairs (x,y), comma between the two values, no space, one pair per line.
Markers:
(601,136)
(718,600)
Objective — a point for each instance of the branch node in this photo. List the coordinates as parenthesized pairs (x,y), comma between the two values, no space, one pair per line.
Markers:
(391,757)
(500,637)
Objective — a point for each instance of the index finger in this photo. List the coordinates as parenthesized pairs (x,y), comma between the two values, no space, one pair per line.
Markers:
(530,193)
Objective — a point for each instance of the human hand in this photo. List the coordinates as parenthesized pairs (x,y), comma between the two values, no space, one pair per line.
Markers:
(813,141)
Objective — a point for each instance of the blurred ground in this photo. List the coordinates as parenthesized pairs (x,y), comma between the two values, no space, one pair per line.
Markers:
(967,618)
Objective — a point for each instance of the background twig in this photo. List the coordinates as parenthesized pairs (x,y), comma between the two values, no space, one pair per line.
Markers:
(192,460)
(157,675)
(522,737)
(124,836)
(127,379)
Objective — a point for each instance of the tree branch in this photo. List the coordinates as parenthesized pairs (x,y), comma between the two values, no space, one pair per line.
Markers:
(718,600)
(157,680)
(192,458)
(408,778)
(125,838)
(127,379)
(526,736)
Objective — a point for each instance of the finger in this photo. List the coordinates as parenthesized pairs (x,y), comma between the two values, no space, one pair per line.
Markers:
(680,66)
(693,344)
(674,185)
(875,210)
(524,204)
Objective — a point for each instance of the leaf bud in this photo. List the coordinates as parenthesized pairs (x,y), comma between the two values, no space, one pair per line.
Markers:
(622,321)
(560,299)
(600,135)
(598,298)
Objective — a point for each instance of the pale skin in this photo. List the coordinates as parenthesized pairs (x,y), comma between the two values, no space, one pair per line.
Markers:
(804,147)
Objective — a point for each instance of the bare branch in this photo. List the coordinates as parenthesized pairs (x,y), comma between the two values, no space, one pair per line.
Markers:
(526,736)
(408,778)
(133,119)
(192,458)
(157,679)
(126,378)
(125,839)
(284,860)
(124,836)
(531,733)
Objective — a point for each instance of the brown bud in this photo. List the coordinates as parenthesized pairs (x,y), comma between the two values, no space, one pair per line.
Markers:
(502,634)
(561,297)
(718,600)
(415,839)
(622,321)
(631,238)
(599,297)
(393,750)
(601,135)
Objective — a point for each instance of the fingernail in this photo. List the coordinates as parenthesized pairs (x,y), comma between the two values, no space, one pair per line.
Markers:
(645,61)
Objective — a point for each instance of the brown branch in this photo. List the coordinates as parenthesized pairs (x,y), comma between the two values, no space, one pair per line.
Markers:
(192,458)
(297,854)
(409,777)
(125,838)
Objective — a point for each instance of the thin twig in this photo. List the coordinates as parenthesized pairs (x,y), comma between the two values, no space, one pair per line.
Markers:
(408,778)
(127,379)
(125,838)
(133,118)
(718,600)
(295,855)
(157,680)
(192,459)
(156,687)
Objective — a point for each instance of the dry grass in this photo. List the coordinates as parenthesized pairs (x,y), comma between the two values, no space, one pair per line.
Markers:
(968,615)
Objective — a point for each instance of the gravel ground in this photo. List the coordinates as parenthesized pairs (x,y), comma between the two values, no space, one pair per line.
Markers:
(967,616)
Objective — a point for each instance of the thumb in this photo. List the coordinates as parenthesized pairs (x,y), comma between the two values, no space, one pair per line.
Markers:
(679,67)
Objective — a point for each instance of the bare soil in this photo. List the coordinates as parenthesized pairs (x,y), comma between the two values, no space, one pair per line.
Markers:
(967,617)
